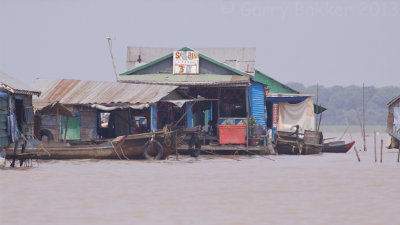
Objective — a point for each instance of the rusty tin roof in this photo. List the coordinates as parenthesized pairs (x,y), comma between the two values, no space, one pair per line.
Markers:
(83,92)
(15,86)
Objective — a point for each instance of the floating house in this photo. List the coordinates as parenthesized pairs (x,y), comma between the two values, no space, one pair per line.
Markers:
(227,78)
(393,123)
(16,111)
(81,110)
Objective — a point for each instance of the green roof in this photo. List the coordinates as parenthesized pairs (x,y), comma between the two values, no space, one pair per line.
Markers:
(273,85)
(277,87)
(130,72)
(187,80)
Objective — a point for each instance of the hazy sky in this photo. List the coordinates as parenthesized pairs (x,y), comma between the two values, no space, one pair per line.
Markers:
(329,42)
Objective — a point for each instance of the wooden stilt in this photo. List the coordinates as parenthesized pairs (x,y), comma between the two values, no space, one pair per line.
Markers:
(375,145)
(58,124)
(398,155)
(358,157)
(363,110)
(381,148)
(66,130)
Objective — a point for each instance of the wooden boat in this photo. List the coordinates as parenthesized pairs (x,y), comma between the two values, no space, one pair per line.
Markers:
(292,143)
(337,147)
(155,145)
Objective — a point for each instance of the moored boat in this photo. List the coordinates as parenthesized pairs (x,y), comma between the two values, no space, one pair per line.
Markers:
(337,147)
(291,143)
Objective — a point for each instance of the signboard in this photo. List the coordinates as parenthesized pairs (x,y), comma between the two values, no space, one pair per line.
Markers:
(275,115)
(186,62)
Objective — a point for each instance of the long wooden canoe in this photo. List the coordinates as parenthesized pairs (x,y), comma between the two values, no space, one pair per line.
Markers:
(337,147)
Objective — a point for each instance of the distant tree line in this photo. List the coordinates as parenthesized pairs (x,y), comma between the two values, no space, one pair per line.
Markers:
(342,101)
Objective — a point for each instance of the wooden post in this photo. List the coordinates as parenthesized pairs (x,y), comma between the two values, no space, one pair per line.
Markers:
(398,155)
(316,121)
(66,130)
(359,120)
(347,123)
(375,145)
(358,157)
(381,148)
(58,124)
(363,109)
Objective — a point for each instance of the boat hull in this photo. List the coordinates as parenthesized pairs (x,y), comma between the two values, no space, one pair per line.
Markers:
(129,149)
(292,148)
(338,148)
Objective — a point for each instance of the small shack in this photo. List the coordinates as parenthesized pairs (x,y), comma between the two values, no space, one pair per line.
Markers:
(16,111)
(393,123)
(99,109)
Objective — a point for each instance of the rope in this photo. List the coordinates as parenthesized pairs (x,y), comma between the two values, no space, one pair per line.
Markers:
(115,151)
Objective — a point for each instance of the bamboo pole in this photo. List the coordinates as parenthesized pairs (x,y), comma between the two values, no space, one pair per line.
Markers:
(316,121)
(319,122)
(112,58)
(66,130)
(375,145)
(398,155)
(381,148)
(58,123)
(358,157)
(359,119)
(363,110)
(347,123)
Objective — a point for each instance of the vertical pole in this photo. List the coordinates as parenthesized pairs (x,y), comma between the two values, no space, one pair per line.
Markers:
(66,130)
(130,131)
(358,157)
(247,116)
(375,145)
(112,58)
(153,117)
(316,121)
(381,148)
(211,119)
(398,155)
(363,108)
(58,123)
(189,115)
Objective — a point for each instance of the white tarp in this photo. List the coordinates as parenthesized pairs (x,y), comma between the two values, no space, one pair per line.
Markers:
(301,114)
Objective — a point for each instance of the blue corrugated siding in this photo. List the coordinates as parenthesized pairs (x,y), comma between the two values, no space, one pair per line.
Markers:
(257,103)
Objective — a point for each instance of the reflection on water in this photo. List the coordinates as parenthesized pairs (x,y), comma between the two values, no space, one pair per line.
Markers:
(318,189)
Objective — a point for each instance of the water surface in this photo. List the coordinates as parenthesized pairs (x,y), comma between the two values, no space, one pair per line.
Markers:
(317,189)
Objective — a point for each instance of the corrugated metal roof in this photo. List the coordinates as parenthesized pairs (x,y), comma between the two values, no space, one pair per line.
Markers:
(242,59)
(15,86)
(82,92)
(187,80)
(393,101)
(47,107)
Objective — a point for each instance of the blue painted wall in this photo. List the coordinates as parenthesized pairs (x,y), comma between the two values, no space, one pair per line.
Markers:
(257,103)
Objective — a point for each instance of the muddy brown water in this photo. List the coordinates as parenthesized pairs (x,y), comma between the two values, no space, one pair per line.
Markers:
(316,189)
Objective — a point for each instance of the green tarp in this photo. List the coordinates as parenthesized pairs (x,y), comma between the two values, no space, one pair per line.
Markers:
(74,129)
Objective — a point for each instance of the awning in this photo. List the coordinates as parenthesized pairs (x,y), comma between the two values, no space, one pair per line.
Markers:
(181,102)
(293,98)
(46,107)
